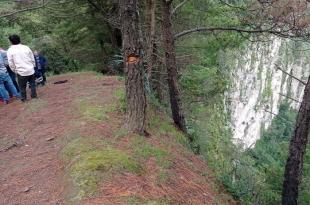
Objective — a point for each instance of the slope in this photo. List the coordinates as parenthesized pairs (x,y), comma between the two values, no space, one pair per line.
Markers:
(69,147)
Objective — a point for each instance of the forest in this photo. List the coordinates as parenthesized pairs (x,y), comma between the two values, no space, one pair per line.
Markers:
(232,76)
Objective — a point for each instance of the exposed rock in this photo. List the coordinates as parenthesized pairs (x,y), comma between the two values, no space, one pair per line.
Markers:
(258,88)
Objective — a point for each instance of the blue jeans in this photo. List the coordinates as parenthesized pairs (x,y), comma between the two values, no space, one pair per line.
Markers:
(5,78)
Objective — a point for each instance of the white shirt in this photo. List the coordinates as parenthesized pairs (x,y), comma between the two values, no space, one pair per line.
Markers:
(21,60)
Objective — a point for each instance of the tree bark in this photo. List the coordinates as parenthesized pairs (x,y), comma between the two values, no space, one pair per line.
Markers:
(298,145)
(170,60)
(158,80)
(152,36)
(134,72)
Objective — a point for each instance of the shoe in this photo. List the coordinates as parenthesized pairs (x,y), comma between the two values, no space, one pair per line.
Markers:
(6,102)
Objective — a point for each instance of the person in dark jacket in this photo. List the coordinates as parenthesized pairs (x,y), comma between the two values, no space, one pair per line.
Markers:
(41,64)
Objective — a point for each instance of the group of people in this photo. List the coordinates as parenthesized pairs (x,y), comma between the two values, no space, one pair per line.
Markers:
(20,62)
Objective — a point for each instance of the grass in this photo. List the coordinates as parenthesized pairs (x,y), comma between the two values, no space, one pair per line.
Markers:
(93,165)
(92,112)
(163,126)
(137,201)
(93,160)
(36,105)
(76,147)
(96,113)
(162,177)
(120,95)
(120,133)
(6,142)
(145,150)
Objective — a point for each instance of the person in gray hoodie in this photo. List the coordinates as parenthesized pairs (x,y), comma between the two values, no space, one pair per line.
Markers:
(3,53)
(6,79)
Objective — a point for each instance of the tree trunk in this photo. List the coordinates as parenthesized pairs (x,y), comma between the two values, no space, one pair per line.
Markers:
(170,60)
(151,37)
(158,80)
(134,72)
(298,144)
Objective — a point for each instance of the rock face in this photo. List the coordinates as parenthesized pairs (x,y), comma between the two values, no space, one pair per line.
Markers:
(258,88)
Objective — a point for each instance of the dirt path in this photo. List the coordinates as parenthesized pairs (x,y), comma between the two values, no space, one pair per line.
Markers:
(30,168)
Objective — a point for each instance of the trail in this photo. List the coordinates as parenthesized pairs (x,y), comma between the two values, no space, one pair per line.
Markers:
(31,172)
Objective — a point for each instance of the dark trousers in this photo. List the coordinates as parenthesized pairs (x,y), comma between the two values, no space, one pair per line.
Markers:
(22,82)
(44,77)
(13,77)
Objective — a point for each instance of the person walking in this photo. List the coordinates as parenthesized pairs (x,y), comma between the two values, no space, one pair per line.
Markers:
(5,79)
(22,62)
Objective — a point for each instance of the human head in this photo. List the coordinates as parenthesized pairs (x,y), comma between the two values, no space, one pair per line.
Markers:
(1,49)
(35,52)
(14,39)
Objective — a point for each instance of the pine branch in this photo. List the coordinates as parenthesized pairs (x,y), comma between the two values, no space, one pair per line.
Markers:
(290,98)
(178,7)
(294,77)
(44,3)
(287,33)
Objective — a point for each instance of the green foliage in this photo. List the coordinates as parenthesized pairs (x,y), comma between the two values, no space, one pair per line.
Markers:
(68,34)
(255,174)
(270,154)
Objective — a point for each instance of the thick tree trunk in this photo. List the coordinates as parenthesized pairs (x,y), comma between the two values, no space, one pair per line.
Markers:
(134,72)
(170,60)
(151,37)
(298,144)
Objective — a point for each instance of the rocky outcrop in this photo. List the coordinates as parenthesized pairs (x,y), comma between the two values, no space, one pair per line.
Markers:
(258,88)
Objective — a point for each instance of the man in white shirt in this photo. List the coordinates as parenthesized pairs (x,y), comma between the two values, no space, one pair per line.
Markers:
(22,62)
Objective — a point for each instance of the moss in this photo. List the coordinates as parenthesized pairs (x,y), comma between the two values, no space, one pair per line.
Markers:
(93,165)
(92,160)
(105,160)
(75,147)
